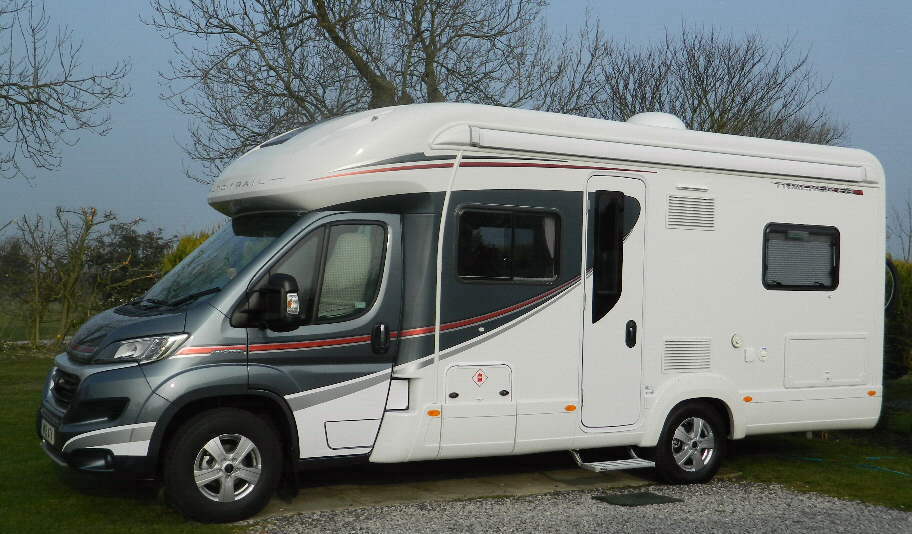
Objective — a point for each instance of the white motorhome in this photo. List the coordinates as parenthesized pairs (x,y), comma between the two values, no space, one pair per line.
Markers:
(455,280)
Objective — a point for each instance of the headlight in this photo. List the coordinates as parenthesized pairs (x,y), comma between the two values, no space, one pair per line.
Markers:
(142,350)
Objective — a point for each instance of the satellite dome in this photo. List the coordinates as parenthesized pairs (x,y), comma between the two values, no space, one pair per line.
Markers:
(657,119)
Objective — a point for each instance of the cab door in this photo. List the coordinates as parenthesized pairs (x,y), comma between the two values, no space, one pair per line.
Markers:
(613,312)
(334,368)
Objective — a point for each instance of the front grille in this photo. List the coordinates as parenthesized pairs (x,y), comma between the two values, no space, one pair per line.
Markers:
(64,387)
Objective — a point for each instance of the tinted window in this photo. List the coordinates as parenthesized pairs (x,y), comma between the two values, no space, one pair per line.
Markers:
(217,261)
(507,245)
(303,264)
(800,257)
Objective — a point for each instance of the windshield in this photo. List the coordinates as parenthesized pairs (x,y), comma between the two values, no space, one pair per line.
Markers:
(217,261)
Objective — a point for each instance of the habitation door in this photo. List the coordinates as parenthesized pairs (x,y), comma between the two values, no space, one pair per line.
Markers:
(612,322)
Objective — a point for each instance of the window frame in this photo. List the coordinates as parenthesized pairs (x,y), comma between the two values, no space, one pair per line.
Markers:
(511,211)
(324,256)
(836,243)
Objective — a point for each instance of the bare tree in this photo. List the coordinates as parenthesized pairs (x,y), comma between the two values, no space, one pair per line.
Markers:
(718,83)
(46,97)
(247,70)
(899,228)
(76,228)
(39,241)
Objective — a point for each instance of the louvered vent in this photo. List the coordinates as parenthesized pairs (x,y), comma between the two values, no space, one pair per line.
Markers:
(686,355)
(691,213)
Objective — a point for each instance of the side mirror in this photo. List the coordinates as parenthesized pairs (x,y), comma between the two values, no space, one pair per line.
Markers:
(281,304)
(275,304)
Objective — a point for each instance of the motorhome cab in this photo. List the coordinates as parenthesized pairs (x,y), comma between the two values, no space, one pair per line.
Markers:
(450,280)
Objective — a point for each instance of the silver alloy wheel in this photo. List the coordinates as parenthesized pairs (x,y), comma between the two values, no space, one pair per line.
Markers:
(693,444)
(227,467)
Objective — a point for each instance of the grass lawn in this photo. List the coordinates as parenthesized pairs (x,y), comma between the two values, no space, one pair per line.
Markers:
(37,496)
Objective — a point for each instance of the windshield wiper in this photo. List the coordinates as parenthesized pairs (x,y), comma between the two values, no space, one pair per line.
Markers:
(141,300)
(192,296)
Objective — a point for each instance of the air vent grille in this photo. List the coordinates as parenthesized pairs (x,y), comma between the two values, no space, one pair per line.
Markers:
(686,355)
(691,213)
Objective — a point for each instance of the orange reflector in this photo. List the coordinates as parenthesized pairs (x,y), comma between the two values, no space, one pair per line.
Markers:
(570,407)
(872,393)
(434,413)
(748,398)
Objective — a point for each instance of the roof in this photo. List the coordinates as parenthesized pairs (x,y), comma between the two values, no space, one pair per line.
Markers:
(292,171)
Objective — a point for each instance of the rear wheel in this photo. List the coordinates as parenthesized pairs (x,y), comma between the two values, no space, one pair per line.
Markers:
(222,465)
(692,444)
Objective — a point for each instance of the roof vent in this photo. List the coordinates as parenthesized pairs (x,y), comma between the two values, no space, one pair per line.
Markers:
(658,119)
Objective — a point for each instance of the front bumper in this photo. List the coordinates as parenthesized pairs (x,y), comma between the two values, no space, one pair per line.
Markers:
(94,426)
(99,460)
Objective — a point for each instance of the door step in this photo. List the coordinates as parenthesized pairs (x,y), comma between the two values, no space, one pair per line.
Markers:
(634,462)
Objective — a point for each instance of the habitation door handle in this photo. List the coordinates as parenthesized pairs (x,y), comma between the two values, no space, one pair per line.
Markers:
(380,338)
(631,333)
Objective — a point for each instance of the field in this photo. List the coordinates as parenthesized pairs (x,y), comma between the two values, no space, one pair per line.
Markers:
(14,323)
(873,466)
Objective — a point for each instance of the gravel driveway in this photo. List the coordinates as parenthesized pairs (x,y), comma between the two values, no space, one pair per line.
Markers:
(722,506)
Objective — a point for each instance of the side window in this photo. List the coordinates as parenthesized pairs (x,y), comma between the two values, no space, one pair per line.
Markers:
(503,245)
(351,272)
(800,257)
(338,269)
(608,224)
(303,263)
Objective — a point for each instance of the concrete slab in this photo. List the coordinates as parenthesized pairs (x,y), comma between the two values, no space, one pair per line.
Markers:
(377,484)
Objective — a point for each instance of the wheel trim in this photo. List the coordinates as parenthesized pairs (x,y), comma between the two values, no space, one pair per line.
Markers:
(693,444)
(227,468)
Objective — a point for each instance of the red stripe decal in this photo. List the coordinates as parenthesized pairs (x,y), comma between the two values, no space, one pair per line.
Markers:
(209,350)
(387,169)
(544,166)
(858,191)
(310,344)
(412,332)
(504,311)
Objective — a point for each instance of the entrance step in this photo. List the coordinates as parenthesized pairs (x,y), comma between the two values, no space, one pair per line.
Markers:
(634,462)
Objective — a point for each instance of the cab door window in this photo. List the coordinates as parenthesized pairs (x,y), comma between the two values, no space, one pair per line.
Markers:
(338,269)
(351,273)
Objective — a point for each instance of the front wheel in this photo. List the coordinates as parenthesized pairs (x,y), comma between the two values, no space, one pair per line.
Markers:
(692,444)
(222,465)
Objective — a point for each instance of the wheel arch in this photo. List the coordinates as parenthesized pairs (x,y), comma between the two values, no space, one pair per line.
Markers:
(256,400)
(715,391)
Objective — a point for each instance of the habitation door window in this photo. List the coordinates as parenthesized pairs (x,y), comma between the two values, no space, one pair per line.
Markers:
(800,257)
(508,245)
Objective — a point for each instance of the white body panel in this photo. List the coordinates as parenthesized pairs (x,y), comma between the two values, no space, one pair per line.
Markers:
(804,360)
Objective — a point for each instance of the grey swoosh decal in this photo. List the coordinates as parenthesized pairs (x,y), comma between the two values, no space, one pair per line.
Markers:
(306,400)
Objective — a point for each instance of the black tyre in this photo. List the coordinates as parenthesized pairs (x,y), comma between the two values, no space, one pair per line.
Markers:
(222,465)
(692,444)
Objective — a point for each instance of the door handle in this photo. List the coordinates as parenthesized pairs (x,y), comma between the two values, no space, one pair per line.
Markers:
(630,333)
(380,338)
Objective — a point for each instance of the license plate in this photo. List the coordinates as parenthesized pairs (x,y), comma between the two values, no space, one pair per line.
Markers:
(48,432)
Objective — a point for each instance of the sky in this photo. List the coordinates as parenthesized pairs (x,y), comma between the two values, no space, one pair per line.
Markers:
(137,170)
